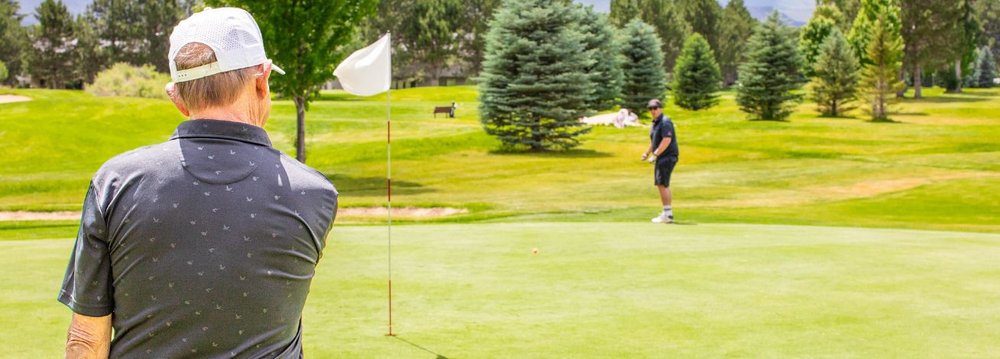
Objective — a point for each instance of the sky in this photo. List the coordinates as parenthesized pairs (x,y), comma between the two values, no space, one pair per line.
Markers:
(798,10)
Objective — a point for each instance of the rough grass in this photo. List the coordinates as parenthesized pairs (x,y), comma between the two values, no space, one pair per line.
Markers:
(606,290)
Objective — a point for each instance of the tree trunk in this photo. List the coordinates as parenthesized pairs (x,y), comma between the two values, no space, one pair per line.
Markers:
(300,137)
(918,81)
(958,75)
(833,108)
(901,77)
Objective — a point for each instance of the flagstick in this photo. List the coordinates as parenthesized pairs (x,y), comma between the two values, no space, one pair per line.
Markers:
(388,182)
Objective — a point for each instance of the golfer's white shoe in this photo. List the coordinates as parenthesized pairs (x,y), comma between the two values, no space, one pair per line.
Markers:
(663,218)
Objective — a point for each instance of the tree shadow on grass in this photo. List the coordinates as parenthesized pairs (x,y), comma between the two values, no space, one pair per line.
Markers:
(373,186)
(340,96)
(436,355)
(950,98)
(574,153)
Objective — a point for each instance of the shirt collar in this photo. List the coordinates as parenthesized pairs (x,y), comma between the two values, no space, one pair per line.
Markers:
(222,129)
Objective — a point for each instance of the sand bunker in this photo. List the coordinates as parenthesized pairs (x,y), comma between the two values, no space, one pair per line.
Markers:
(411,212)
(13,98)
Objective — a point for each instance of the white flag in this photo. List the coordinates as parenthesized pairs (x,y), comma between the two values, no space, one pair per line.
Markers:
(367,71)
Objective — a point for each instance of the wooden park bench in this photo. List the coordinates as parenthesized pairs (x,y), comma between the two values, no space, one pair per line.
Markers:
(450,110)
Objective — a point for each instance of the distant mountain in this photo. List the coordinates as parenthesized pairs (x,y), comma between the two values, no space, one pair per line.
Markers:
(28,8)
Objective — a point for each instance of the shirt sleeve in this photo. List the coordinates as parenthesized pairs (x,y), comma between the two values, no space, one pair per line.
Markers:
(87,288)
(667,130)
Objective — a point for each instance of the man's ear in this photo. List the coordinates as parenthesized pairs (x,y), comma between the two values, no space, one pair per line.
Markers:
(261,84)
(171,89)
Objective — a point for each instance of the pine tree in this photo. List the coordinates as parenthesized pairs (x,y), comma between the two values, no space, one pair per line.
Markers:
(52,61)
(696,75)
(985,69)
(879,81)
(88,55)
(601,46)
(643,66)
(13,40)
(771,74)
(835,76)
(849,9)
(533,89)
(736,28)
(812,36)
(704,17)
(929,31)
(667,17)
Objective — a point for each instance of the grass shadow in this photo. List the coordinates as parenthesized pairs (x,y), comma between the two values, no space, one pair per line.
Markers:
(436,355)
(373,186)
(948,98)
(911,113)
(340,96)
(574,153)
(887,120)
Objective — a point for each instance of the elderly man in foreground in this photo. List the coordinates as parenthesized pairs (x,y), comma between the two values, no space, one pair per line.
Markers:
(204,245)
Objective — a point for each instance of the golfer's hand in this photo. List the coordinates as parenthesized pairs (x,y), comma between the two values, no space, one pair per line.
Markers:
(644,156)
(650,159)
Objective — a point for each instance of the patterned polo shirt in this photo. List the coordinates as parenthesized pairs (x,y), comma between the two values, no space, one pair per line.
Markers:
(201,246)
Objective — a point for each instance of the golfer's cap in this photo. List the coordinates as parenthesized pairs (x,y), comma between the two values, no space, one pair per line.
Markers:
(654,103)
(232,33)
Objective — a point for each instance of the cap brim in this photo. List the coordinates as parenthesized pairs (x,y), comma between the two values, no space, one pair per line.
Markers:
(277,69)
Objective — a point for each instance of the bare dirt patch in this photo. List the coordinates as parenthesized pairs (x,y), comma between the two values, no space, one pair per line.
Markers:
(410,212)
(13,98)
(417,212)
(38,216)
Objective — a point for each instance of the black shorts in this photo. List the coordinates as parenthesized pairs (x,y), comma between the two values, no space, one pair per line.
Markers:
(664,168)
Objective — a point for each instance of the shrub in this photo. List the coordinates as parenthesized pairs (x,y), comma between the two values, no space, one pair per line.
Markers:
(129,81)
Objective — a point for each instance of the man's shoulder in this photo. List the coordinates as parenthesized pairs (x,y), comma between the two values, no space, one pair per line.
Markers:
(308,177)
(137,160)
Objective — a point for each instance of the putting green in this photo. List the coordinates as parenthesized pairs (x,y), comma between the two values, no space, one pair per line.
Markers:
(609,290)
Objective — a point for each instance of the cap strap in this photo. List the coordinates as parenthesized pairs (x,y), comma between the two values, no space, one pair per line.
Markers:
(197,72)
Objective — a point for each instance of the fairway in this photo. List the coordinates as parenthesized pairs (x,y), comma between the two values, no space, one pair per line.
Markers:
(937,168)
(610,290)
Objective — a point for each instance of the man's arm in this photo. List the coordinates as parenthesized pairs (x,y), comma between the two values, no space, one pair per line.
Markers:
(88,337)
(662,147)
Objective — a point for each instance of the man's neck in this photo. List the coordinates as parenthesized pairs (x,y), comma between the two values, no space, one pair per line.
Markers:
(225,114)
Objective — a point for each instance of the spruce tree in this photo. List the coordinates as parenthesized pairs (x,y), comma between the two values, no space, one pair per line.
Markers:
(696,75)
(601,46)
(533,88)
(879,81)
(769,78)
(835,76)
(985,68)
(643,66)
(736,28)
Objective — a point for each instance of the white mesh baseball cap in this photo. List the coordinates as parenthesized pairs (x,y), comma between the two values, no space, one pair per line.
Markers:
(232,33)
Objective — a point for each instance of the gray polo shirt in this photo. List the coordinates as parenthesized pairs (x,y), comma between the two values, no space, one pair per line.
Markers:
(201,246)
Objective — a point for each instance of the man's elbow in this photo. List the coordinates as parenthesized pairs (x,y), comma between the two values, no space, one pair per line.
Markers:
(86,340)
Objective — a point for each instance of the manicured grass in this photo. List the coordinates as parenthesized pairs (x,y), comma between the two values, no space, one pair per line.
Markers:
(602,290)
(937,168)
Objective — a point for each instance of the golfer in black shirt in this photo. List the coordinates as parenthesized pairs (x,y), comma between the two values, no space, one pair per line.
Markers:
(663,153)
(203,246)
